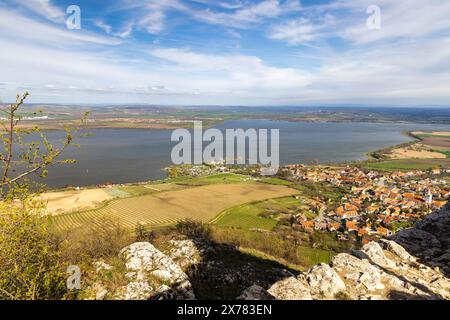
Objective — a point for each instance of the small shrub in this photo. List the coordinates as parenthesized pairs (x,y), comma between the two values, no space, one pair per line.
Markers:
(342,295)
(194,229)
(143,235)
(30,260)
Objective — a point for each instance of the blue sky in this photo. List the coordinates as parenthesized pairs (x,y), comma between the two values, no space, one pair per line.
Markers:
(236,52)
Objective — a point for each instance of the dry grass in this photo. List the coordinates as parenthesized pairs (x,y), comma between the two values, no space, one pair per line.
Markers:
(73,200)
(435,133)
(416,153)
(104,237)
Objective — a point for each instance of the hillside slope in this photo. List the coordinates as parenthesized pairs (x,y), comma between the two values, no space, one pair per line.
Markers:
(413,264)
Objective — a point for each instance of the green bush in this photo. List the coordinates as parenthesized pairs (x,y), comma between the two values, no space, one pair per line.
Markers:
(143,235)
(194,229)
(30,257)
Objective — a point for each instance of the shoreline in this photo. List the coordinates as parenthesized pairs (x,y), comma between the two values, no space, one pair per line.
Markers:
(213,122)
(369,155)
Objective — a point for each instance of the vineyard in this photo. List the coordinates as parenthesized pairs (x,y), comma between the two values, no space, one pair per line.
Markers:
(201,203)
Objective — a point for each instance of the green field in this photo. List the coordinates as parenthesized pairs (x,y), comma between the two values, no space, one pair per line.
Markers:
(245,217)
(408,164)
(259,215)
(222,178)
(135,190)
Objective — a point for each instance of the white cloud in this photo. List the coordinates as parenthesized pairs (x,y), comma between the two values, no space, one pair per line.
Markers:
(242,71)
(19,27)
(62,65)
(43,8)
(400,19)
(248,15)
(153,20)
(302,30)
(124,33)
(102,25)
(231,4)
(294,31)
(234,34)
(151,14)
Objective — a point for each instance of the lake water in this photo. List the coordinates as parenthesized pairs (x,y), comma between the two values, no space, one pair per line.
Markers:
(130,155)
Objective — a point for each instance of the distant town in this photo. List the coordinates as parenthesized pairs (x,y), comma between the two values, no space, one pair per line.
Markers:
(377,204)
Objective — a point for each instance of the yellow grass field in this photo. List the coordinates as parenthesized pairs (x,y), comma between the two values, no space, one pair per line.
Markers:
(198,203)
(408,153)
(73,200)
(435,133)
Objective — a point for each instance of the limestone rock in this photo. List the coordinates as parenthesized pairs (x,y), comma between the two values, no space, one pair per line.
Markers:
(97,291)
(143,256)
(344,261)
(100,295)
(149,268)
(136,291)
(290,289)
(324,281)
(184,252)
(361,271)
(375,254)
(372,281)
(101,265)
(183,291)
(396,249)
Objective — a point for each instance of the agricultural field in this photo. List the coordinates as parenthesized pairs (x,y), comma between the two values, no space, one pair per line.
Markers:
(246,217)
(435,141)
(222,178)
(408,164)
(258,215)
(416,152)
(68,201)
(430,151)
(73,200)
(200,203)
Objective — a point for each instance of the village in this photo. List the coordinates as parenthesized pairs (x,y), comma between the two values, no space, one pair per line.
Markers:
(374,204)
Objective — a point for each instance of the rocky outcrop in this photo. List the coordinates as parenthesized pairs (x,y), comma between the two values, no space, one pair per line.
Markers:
(150,274)
(185,252)
(324,281)
(370,273)
(414,264)
(429,240)
(290,289)
(373,252)
(153,274)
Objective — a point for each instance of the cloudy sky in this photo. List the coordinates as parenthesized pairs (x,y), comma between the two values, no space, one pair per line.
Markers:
(235,52)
